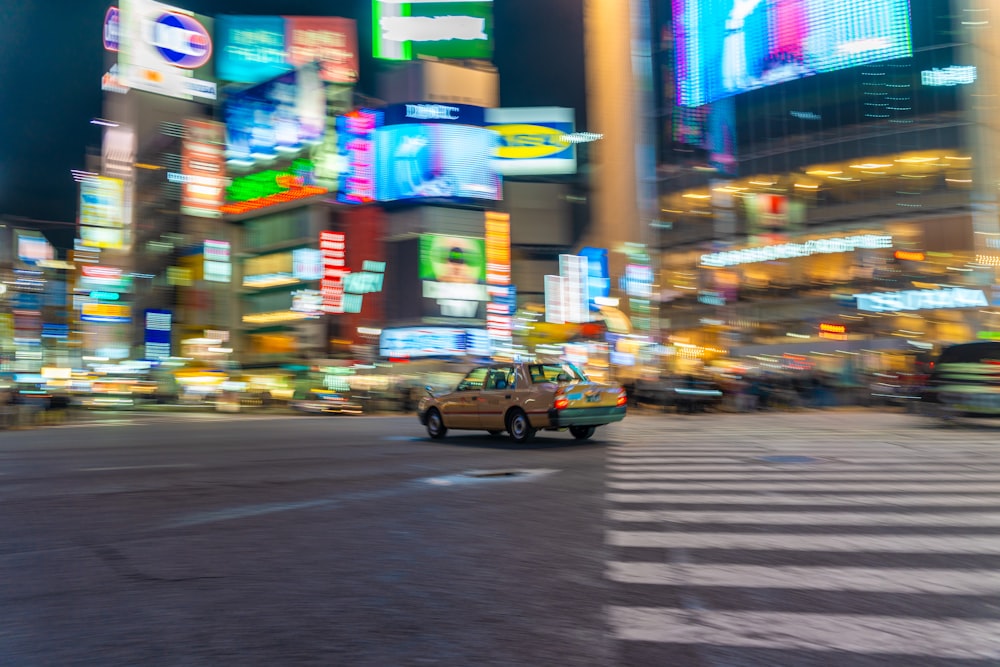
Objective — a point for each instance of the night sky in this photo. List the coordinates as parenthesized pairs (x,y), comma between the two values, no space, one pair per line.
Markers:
(51,62)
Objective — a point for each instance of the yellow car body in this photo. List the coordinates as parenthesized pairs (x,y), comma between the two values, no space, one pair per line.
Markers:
(522,398)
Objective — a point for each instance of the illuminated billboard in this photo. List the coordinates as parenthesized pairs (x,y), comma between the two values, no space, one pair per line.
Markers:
(203,168)
(437,161)
(101,212)
(410,342)
(166,50)
(356,142)
(157,333)
(453,272)
(410,29)
(452,259)
(727,47)
(33,248)
(278,118)
(253,49)
(533,141)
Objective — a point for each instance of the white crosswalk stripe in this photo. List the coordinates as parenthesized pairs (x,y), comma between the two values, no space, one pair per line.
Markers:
(882,549)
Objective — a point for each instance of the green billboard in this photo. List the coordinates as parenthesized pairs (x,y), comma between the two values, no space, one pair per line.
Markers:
(407,30)
(452,259)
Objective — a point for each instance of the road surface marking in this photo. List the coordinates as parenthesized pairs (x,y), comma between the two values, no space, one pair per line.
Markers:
(877,518)
(145,467)
(800,476)
(875,500)
(812,487)
(864,634)
(839,543)
(859,579)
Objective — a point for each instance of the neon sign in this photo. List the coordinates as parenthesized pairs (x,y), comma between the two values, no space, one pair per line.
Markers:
(952,297)
(789,250)
(266,188)
(955,75)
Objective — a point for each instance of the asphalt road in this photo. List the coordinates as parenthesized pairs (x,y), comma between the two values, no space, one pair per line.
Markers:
(812,538)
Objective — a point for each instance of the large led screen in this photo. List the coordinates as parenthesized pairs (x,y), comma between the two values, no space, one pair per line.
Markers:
(727,47)
(252,49)
(452,259)
(277,118)
(435,161)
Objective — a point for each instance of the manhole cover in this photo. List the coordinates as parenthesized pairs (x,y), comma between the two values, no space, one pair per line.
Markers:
(790,459)
(486,474)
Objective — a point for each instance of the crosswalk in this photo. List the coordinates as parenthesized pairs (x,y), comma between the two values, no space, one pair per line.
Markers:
(770,548)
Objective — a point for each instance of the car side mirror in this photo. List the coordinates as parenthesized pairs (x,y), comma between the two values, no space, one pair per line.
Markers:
(563,377)
(429,390)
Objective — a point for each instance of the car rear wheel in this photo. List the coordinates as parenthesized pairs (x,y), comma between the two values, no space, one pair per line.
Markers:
(519,427)
(435,425)
(582,432)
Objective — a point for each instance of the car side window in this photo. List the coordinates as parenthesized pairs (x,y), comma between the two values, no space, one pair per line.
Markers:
(474,380)
(500,378)
(549,373)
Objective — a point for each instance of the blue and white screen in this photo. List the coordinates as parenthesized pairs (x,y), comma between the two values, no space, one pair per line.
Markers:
(420,161)
(727,47)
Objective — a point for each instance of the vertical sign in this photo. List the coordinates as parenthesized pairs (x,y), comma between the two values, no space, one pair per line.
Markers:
(157,338)
(554,300)
(497,248)
(203,164)
(332,247)
(573,270)
(216,266)
(499,311)
(356,131)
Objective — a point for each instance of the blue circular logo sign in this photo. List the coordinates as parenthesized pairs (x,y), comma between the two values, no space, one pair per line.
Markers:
(181,40)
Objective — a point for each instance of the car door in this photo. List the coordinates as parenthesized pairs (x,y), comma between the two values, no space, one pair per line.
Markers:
(497,396)
(461,407)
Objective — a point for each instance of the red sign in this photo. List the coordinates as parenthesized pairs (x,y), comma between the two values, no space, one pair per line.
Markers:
(203,169)
(330,41)
(333,250)
(106,272)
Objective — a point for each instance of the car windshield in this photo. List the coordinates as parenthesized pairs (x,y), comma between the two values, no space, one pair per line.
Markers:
(555,373)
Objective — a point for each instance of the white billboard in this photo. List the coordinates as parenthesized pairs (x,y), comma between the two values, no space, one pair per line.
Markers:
(166,50)
(534,141)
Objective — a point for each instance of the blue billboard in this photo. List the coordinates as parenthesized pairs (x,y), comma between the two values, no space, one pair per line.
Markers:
(598,275)
(727,47)
(276,118)
(435,161)
(250,49)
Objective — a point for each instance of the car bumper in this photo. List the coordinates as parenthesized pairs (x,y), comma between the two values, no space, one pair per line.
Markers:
(586,416)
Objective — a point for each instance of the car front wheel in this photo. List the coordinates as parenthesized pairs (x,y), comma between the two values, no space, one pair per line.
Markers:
(519,427)
(435,425)
(582,432)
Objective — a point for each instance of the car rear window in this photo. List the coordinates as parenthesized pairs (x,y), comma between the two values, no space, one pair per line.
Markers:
(970,353)
(550,372)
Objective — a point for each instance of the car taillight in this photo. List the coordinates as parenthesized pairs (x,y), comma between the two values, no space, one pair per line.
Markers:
(561,402)
(622,398)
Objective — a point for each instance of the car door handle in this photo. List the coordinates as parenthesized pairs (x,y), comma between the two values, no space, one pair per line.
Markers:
(506,395)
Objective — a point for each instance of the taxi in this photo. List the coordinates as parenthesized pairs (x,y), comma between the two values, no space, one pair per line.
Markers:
(521,399)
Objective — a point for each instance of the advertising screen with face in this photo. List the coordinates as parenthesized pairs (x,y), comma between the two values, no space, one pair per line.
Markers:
(452,259)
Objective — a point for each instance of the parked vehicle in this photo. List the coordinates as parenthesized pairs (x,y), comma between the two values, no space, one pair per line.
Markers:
(522,398)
